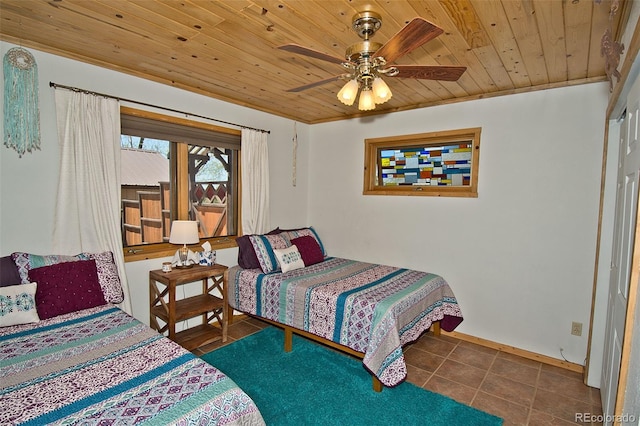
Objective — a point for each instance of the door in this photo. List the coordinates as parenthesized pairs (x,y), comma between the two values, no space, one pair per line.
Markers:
(623,247)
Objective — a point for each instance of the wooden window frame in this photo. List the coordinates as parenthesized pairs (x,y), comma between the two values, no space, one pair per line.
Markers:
(158,250)
(373,146)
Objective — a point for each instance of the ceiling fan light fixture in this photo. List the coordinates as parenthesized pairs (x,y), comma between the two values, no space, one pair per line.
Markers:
(366,102)
(381,91)
(347,95)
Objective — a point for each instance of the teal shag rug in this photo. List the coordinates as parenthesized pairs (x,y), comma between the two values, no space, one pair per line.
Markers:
(315,385)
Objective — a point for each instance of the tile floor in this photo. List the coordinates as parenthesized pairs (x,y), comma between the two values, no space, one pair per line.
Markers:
(521,391)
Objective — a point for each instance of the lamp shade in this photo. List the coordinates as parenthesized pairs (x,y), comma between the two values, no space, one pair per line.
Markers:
(366,100)
(381,91)
(184,232)
(347,95)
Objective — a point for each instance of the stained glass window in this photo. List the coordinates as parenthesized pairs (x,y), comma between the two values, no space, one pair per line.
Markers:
(442,163)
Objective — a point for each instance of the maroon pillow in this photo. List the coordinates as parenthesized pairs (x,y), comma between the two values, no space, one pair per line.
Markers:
(247,258)
(66,287)
(309,250)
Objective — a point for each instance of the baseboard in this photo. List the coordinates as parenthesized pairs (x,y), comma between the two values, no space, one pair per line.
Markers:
(516,351)
(493,345)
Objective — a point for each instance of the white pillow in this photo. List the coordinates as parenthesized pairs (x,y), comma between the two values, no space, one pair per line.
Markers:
(289,258)
(18,304)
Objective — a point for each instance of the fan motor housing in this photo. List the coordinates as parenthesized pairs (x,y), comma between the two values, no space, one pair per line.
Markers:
(365,48)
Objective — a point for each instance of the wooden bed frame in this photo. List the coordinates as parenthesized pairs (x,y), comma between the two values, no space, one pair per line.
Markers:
(290,331)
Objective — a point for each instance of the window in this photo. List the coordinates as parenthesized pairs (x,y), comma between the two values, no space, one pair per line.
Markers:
(176,169)
(441,164)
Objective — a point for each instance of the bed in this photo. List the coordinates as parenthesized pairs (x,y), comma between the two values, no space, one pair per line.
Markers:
(368,310)
(97,364)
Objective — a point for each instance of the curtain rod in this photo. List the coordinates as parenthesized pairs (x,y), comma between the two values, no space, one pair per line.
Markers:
(89,92)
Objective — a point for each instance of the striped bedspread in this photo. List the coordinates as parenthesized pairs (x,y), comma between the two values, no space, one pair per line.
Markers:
(373,309)
(101,366)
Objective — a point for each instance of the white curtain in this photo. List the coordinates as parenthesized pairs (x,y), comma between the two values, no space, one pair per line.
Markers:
(87,214)
(255,182)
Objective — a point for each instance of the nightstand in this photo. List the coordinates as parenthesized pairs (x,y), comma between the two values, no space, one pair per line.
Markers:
(164,305)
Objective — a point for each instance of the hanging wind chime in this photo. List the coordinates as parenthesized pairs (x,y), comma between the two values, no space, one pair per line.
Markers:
(21,112)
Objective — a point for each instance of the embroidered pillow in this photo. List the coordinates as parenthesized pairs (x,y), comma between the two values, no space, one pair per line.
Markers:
(18,304)
(66,287)
(295,233)
(263,246)
(27,261)
(8,272)
(309,250)
(108,276)
(289,258)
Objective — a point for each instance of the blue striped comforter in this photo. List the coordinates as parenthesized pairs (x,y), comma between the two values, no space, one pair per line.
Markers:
(370,308)
(101,366)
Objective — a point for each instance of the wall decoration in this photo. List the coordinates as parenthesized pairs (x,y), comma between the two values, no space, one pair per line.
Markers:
(21,112)
(295,154)
(610,48)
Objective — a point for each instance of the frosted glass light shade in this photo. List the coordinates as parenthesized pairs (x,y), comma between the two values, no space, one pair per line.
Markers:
(347,95)
(381,91)
(366,100)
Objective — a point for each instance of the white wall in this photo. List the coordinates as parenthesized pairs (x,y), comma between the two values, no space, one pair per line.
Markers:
(28,185)
(520,257)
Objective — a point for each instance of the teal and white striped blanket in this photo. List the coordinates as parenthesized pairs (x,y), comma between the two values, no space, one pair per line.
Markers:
(373,309)
(101,366)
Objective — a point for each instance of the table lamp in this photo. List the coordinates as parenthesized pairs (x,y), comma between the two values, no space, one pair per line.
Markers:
(184,232)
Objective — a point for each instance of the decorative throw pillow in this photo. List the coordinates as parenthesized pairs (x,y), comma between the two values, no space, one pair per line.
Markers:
(246,255)
(18,304)
(108,276)
(309,250)
(8,272)
(289,258)
(263,246)
(295,233)
(66,287)
(27,261)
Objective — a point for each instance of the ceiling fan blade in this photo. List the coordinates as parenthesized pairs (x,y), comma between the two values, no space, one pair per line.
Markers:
(430,72)
(317,83)
(413,35)
(294,48)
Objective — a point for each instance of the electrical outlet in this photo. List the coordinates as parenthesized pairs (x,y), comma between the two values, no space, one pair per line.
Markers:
(576,328)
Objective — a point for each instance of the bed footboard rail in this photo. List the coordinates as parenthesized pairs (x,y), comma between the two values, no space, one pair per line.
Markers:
(288,343)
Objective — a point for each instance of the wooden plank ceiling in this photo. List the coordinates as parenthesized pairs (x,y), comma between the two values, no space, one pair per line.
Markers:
(228,49)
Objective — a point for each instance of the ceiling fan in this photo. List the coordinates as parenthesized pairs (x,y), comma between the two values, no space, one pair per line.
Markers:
(367,61)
